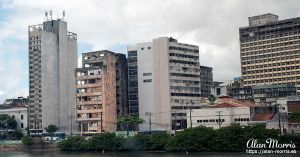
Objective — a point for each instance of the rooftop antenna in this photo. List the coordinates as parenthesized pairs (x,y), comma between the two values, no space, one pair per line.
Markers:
(64,14)
(50,14)
(46,15)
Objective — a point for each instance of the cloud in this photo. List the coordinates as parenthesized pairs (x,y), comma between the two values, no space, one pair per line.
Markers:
(113,24)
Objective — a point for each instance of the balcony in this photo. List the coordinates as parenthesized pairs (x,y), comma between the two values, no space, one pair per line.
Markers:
(90,111)
(89,85)
(93,102)
(88,119)
(88,77)
(89,94)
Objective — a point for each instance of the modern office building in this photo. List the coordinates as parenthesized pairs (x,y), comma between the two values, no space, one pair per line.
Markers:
(269,94)
(52,61)
(164,82)
(206,80)
(96,93)
(270,51)
(121,84)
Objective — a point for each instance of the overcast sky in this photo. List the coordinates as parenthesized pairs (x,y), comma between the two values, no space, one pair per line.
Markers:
(113,24)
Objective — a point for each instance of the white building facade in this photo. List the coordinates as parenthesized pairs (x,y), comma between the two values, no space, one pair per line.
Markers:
(219,117)
(168,79)
(20,114)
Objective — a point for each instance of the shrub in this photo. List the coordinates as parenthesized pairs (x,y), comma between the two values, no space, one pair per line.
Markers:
(27,140)
(72,143)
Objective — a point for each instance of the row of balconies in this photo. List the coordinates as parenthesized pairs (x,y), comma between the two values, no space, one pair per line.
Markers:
(269,62)
(88,119)
(295,34)
(89,94)
(88,77)
(92,102)
(89,85)
(268,42)
(90,111)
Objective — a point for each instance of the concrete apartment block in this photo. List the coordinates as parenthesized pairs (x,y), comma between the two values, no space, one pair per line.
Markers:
(52,61)
(96,93)
(164,82)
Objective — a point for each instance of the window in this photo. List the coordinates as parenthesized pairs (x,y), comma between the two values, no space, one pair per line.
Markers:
(147,80)
(22,117)
(22,125)
(147,74)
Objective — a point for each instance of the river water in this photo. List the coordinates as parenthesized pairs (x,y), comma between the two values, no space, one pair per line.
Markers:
(133,154)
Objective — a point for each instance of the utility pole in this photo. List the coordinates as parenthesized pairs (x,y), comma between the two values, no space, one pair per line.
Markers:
(219,121)
(191,117)
(279,118)
(166,127)
(175,121)
(150,122)
(35,125)
(101,114)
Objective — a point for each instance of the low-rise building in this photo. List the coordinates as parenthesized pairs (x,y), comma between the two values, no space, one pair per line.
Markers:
(224,112)
(19,113)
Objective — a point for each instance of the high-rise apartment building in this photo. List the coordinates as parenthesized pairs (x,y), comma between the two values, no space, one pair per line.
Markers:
(133,95)
(270,51)
(52,61)
(164,82)
(121,84)
(206,80)
(96,92)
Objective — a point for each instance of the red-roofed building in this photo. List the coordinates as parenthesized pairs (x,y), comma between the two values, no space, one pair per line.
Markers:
(224,112)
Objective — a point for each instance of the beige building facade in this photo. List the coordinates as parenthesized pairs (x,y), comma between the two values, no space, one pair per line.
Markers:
(96,93)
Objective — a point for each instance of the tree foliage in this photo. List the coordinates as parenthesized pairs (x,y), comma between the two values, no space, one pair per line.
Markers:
(72,143)
(203,139)
(27,140)
(51,129)
(128,121)
(7,122)
(294,117)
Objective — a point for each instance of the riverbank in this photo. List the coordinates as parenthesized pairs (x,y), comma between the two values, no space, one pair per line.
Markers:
(233,138)
(133,154)
(32,148)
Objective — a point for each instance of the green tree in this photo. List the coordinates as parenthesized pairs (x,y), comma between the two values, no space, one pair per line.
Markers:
(212,99)
(128,121)
(105,141)
(73,143)
(27,140)
(7,122)
(294,117)
(51,129)
(18,134)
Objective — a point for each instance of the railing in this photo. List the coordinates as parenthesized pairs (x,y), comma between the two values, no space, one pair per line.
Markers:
(10,142)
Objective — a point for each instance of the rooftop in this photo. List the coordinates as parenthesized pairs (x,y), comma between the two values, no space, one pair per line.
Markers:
(263,116)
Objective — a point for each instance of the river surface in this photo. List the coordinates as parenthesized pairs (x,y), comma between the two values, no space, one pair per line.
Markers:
(134,154)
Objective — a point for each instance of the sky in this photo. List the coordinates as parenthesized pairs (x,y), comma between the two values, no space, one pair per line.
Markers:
(213,25)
